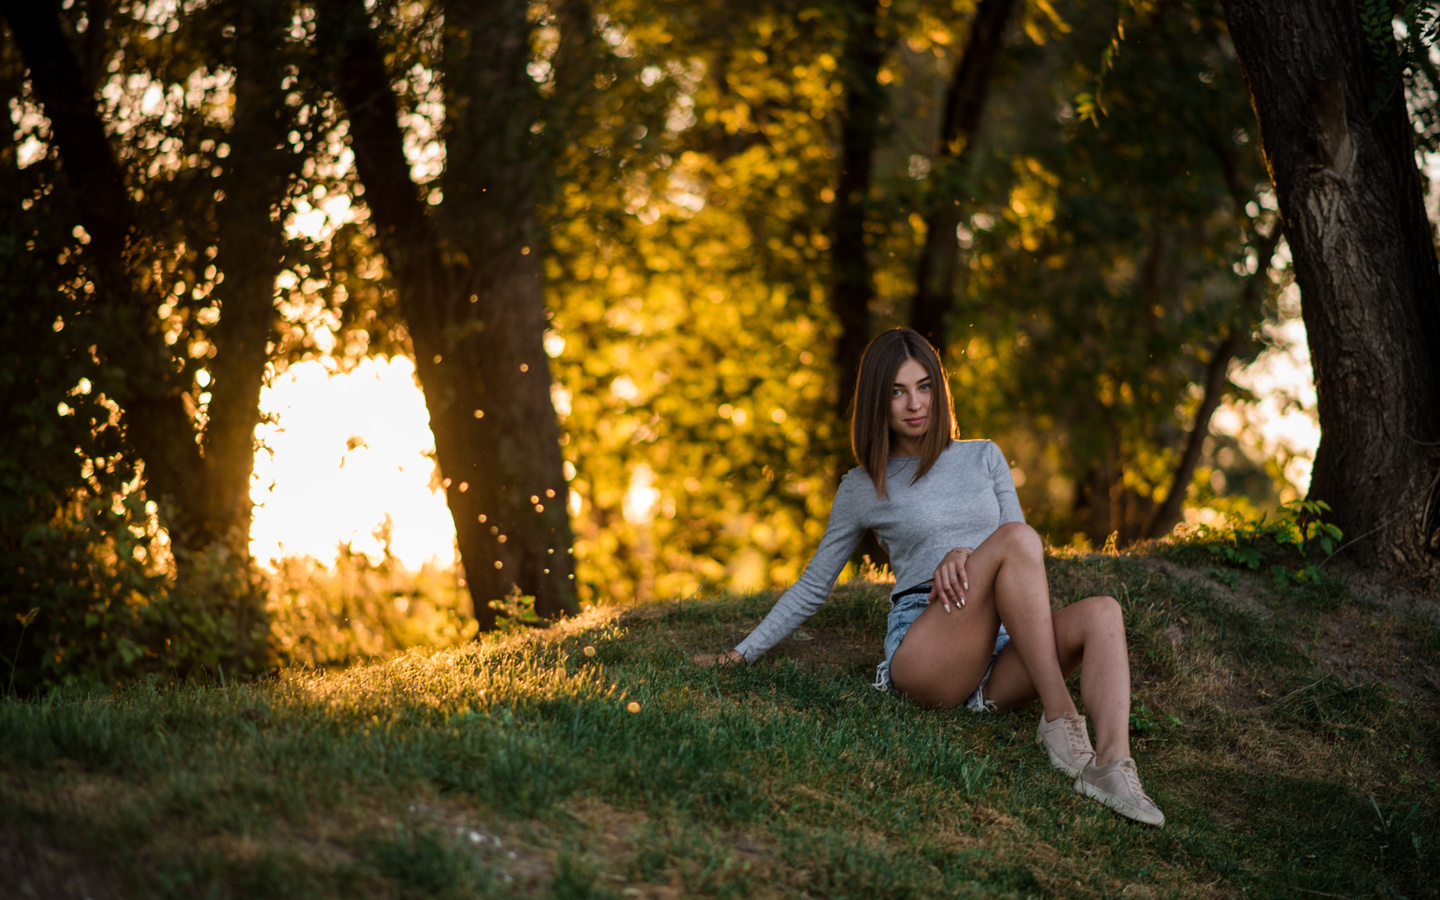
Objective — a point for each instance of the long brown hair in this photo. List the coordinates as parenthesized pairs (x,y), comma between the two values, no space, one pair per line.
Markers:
(870,414)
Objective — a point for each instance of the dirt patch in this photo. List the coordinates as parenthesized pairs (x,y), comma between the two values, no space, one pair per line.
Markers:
(41,871)
(1238,598)
(823,649)
(1370,640)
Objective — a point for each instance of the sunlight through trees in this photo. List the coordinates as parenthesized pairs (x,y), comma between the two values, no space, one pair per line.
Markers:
(629,252)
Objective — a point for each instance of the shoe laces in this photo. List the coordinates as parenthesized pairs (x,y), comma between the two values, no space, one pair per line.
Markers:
(882,680)
(1075,735)
(1132,778)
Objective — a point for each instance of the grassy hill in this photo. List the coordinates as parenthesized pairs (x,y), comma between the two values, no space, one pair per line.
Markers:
(1289,733)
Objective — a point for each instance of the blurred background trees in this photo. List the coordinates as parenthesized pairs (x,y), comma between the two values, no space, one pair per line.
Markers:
(634,250)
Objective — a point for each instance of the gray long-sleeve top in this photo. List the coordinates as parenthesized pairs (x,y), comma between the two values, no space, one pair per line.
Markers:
(960,502)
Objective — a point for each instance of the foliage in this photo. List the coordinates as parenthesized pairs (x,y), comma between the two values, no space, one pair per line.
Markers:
(358,609)
(685,273)
(688,262)
(87,594)
(1107,267)
(1297,533)
(1144,721)
(1408,58)
(101,613)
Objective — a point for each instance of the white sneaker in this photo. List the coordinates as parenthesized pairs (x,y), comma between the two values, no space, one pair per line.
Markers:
(1067,742)
(1118,787)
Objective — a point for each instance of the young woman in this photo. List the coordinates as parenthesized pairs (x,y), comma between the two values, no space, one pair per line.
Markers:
(974,626)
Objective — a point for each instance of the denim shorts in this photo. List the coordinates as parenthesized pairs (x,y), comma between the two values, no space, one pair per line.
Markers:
(905,608)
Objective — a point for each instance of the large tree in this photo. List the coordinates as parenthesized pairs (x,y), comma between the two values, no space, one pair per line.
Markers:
(852,286)
(467,271)
(1340,148)
(220,212)
(168,226)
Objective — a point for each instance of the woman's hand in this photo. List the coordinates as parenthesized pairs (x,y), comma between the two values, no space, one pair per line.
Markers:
(951,582)
(705,660)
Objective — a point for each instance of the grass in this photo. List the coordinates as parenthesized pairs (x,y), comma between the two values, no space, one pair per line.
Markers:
(1289,736)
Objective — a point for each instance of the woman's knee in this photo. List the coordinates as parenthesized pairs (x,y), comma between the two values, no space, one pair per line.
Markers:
(1104,612)
(1022,538)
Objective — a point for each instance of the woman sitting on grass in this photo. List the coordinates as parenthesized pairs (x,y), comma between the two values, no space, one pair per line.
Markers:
(975,628)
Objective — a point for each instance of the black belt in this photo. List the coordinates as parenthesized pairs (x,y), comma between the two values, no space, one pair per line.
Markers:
(925,588)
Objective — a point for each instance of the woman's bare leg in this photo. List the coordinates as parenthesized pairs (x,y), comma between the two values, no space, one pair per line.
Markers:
(944,654)
(1089,635)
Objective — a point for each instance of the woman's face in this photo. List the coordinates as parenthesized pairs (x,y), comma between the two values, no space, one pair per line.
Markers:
(909,408)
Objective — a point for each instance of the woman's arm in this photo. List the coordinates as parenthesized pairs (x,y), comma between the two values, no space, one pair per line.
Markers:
(1010,510)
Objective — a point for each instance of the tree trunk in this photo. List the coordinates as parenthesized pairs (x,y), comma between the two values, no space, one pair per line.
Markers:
(1217,378)
(472,299)
(940,257)
(1354,218)
(852,280)
(250,247)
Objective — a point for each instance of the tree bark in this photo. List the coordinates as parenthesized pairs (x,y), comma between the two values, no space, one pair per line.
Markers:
(469,283)
(250,248)
(1354,217)
(965,102)
(852,285)
(852,279)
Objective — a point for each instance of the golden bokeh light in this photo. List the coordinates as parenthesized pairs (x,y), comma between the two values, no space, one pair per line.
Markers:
(341,452)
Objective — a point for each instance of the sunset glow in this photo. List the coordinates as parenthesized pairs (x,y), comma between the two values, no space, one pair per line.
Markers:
(339,453)
(1282,420)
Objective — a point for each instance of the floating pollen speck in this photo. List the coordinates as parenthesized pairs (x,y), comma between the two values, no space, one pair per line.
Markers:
(589,651)
(633,706)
